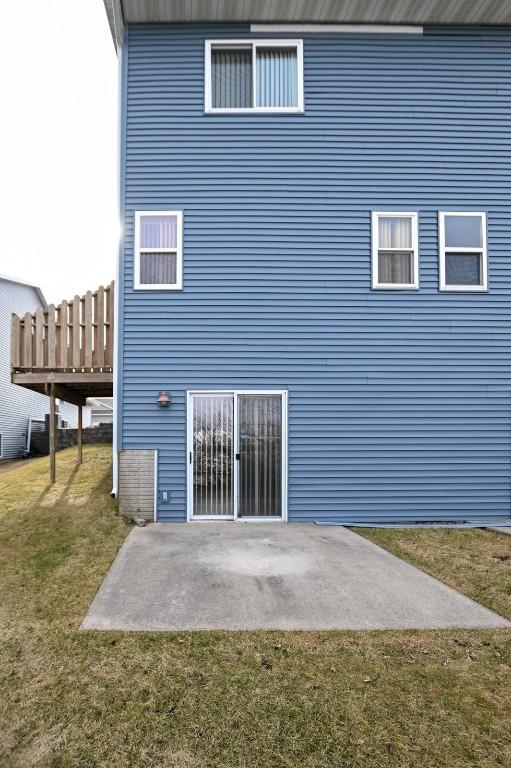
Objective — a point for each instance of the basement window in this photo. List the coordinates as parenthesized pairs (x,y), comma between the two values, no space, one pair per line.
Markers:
(463,252)
(395,251)
(158,250)
(254,76)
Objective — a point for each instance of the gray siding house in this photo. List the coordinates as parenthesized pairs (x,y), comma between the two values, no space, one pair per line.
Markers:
(17,404)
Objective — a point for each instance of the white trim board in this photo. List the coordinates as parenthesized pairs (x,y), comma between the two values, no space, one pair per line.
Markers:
(155,487)
(393,29)
(189,451)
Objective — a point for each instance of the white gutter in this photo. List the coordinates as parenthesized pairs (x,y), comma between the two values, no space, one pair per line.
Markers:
(116,353)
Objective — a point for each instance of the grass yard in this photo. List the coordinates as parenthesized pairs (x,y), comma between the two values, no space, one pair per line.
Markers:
(229,700)
(474,561)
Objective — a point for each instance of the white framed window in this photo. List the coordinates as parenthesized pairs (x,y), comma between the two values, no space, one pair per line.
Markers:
(158,250)
(463,251)
(395,250)
(253,76)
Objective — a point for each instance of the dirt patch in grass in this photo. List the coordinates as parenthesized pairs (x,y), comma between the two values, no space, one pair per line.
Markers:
(214,700)
(474,561)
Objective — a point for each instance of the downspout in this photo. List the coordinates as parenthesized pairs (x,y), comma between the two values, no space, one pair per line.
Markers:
(117,375)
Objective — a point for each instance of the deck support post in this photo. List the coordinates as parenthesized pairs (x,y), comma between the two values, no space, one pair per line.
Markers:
(52,433)
(79,436)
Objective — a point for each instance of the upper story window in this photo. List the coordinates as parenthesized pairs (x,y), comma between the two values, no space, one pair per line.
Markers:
(463,252)
(254,76)
(395,251)
(158,250)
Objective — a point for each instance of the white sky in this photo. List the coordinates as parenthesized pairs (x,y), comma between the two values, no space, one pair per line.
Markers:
(58,146)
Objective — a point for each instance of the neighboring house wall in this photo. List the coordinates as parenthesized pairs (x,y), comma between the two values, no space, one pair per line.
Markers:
(399,402)
(103,417)
(17,404)
(69,413)
(101,410)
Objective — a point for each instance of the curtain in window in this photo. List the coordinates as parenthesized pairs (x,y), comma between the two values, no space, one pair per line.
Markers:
(231,78)
(158,268)
(395,268)
(277,77)
(260,445)
(395,232)
(158,232)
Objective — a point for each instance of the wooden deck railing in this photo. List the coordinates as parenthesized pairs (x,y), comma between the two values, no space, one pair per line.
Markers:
(74,336)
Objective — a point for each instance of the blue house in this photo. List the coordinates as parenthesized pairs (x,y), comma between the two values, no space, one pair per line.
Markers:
(315,270)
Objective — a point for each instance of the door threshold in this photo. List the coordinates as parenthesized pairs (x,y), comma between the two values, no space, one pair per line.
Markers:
(260,520)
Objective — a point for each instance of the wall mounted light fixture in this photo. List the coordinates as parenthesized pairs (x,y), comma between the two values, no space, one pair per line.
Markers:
(164,399)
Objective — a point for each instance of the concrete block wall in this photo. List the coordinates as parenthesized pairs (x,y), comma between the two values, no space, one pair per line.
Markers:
(136,483)
(65,438)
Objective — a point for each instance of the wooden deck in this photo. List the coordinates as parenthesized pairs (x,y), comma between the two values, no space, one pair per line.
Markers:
(69,346)
(66,352)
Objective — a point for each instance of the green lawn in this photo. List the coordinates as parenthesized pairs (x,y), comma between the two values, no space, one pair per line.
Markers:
(215,700)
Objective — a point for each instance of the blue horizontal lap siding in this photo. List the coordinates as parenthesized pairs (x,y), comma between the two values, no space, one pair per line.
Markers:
(399,402)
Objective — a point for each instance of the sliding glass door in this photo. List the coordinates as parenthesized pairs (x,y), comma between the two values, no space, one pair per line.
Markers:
(236,459)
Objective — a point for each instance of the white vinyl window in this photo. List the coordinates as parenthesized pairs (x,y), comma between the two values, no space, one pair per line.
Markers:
(158,250)
(463,251)
(254,76)
(395,251)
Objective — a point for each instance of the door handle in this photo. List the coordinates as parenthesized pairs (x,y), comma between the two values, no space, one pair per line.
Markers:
(237,457)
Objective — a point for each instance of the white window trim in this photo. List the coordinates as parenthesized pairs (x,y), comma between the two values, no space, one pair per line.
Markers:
(253,44)
(178,285)
(443,250)
(374,249)
(1,445)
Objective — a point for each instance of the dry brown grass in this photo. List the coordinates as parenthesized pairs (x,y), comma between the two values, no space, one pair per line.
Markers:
(474,561)
(215,700)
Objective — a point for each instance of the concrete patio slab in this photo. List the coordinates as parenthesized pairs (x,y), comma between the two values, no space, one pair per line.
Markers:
(236,576)
(500,529)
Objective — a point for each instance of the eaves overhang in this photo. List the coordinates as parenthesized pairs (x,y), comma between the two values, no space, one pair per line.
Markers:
(391,12)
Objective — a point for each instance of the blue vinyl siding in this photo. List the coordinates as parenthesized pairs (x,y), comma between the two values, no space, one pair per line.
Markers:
(399,402)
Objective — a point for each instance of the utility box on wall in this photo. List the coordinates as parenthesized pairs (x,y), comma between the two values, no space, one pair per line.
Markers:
(137,483)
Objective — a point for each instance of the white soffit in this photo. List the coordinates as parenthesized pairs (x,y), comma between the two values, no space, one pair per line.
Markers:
(324,12)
